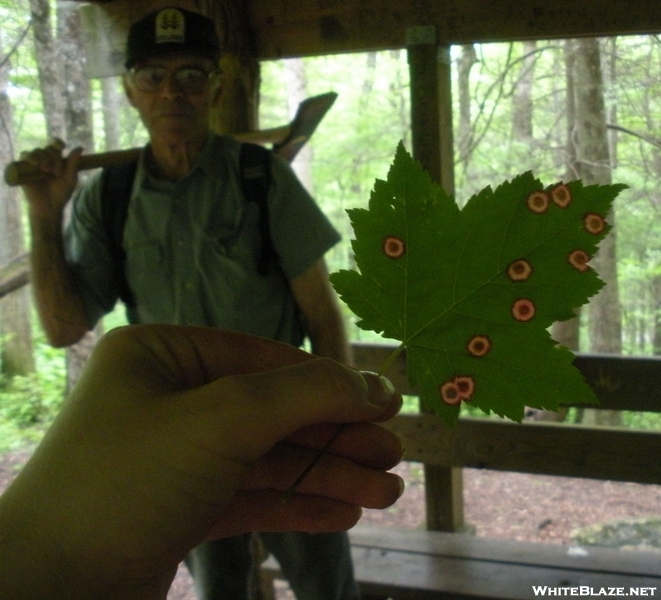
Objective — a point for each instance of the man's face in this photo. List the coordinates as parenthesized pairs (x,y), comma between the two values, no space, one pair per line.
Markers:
(173,96)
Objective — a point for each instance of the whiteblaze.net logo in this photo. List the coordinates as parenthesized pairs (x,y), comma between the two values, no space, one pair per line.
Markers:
(584,590)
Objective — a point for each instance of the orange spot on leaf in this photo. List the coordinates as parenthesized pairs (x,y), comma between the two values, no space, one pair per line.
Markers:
(594,223)
(519,270)
(561,195)
(450,393)
(479,346)
(466,386)
(394,247)
(523,310)
(538,202)
(579,259)
(460,387)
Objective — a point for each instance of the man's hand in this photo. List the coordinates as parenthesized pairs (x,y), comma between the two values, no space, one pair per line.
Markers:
(48,196)
(177,434)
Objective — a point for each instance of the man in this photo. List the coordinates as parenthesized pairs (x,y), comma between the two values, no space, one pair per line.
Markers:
(193,243)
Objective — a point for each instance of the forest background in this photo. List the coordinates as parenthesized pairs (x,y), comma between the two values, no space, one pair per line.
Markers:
(564,109)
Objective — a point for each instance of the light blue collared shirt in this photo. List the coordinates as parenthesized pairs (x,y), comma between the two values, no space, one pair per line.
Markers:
(192,247)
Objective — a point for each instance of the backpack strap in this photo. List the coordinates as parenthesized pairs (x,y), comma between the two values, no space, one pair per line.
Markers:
(255,168)
(116,186)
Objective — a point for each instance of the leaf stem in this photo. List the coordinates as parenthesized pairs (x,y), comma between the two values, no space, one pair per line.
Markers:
(386,365)
(289,492)
(320,453)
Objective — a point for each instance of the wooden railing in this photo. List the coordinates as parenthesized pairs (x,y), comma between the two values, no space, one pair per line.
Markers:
(621,383)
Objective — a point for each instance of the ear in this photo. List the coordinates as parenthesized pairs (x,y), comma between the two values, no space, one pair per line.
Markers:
(216,93)
(216,90)
(128,90)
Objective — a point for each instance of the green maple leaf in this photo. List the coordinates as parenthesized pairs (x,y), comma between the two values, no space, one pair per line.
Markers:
(470,293)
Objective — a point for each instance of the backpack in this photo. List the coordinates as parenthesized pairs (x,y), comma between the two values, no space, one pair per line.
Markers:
(116,186)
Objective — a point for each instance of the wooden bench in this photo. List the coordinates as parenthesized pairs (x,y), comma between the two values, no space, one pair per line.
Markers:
(425,565)
(441,564)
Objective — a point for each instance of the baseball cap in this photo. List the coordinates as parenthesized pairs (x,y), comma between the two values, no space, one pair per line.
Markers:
(172,30)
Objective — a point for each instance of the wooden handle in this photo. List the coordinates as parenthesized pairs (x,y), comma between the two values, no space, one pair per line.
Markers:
(287,141)
(20,172)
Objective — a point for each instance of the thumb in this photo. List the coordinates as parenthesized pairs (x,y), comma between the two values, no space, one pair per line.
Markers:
(273,404)
(72,161)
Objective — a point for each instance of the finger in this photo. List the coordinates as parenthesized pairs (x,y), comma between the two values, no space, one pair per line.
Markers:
(193,356)
(199,355)
(279,388)
(365,443)
(71,163)
(48,159)
(332,477)
(269,406)
(265,403)
(264,511)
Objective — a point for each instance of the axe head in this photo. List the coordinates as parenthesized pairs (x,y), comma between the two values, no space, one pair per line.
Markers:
(308,116)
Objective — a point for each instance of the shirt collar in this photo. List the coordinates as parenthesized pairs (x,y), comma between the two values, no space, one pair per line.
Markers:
(205,162)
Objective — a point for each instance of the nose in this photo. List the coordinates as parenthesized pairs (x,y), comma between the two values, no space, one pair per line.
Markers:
(171,87)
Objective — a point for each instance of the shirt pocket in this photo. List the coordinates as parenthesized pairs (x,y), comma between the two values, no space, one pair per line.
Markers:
(145,269)
(242,243)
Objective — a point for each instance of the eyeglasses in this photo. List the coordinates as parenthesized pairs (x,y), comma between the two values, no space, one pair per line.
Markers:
(190,80)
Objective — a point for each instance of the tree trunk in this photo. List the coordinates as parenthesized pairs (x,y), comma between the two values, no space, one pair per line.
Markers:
(611,109)
(465,128)
(594,168)
(48,67)
(75,87)
(656,314)
(111,100)
(522,99)
(567,333)
(593,162)
(78,124)
(16,349)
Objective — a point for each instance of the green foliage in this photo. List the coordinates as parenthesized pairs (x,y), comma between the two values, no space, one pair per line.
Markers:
(471,293)
(353,144)
(641,420)
(26,402)
(29,403)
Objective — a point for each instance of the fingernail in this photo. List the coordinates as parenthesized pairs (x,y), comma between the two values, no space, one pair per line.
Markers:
(380,389)
(402,486)
(387,385)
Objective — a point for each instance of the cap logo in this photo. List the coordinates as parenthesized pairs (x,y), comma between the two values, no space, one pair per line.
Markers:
(170,27)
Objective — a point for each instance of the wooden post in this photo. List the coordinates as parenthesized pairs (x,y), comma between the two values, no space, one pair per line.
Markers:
(237,109)
(431,124)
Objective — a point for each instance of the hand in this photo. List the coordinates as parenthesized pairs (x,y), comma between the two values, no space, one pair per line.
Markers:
(48,196)
(176,434)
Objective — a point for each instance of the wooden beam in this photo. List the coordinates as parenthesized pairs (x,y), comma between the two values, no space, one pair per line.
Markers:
(543,448)
(620,382)
(286,28)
